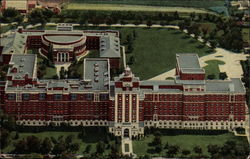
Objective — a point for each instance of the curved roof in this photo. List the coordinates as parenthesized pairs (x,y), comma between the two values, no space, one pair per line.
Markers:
(63,38)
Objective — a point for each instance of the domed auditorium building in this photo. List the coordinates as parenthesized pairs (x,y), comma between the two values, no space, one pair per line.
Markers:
(126,105)
(64,44)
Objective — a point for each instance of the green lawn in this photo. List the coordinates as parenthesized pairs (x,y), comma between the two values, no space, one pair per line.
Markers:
(155,50)
(213,67)
(50,73)
(92,137)
(171,3)
(184,142)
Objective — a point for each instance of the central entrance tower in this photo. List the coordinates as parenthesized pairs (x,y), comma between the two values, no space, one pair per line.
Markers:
(126,107)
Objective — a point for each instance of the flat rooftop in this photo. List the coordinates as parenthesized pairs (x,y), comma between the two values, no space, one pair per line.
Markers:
(189,63)
(96,72)
(24,64)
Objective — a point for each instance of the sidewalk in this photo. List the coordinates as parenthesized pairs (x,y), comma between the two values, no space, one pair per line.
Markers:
(127,148)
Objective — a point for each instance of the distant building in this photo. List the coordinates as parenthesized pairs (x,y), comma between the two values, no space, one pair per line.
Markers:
(23,6)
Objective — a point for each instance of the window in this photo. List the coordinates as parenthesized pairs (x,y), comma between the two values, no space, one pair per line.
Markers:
(11,96)
(89,97)
(104,97)
(26,96)
(58,97)
(73,96)
(42,96)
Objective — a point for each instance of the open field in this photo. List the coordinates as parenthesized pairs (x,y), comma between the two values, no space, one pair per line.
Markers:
(155,50)
(92,137)
(170,3)
(121,7)
(185,142)
(213,67)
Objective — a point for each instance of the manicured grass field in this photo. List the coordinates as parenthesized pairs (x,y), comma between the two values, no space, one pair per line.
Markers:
(171,3)
(213,67)
(124,7)
(91,138)
(155,50)
(184,142)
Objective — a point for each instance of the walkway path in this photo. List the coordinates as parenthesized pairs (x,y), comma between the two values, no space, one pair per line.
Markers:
(127,148)
(248,128)
(124,56)
(114,25)
(232,64)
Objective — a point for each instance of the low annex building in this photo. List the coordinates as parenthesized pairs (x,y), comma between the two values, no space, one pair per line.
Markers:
(126,105)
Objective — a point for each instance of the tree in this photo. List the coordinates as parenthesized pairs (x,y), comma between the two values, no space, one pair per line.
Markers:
(198,150)
(176,15)
(74,147)
(192,16)
(211,76)
(11,15)
(213,150)
(36,16)
(156,140)
(130,48)
(69,139)
(20,147)
(46,146)
(62,73)
(59,148)
(213,44)
(100,147)
(87,149)
(129,39)
(228,148)
(158,148)
(4,137)
(185,152)
(33,144)
(172,150)
(204,31)
(149,23)
(223,75)
(16,136)
(134,34)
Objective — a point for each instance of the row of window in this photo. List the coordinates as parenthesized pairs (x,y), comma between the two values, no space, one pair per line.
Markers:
(42,96)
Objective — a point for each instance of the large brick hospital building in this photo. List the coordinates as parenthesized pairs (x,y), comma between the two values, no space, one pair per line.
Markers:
(126,104)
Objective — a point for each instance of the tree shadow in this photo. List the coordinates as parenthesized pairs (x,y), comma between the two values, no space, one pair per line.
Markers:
(185,37)
(200,46)
(151,151)
(176,32)
(192,41)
